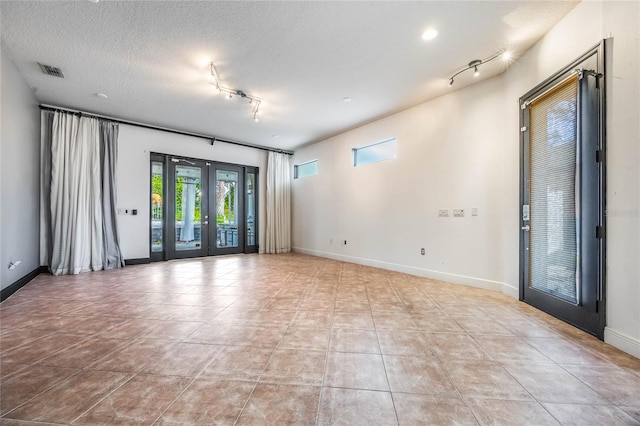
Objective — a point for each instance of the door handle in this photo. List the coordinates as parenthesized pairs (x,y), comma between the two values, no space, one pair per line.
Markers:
(526,228)
(206,222)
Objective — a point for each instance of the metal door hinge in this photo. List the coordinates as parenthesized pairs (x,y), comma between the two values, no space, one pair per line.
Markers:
(523,129)
(599,232)
(598,156)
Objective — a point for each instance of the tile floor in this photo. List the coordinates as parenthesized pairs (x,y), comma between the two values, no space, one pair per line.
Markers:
(294,339)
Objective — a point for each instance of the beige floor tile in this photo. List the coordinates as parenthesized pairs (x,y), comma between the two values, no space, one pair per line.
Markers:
(208,401)
(577,415)
(551,383)
(67,400)
(272,404)
(28,383)
(354,340)
(485,379)
(41,348)
(418,374)
(295,367)
(138,402)
(455,346)
(183,359)
(399,342)
(239,363)
(351,407)
(503,348)
(291,327)
(316,339)
(355,371)
(619,386)
(361,320)
(634,412)
(432,410)
(509,413)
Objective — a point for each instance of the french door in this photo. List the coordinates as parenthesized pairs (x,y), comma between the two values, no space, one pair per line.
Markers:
(201,208)
(562,195)
(228,232)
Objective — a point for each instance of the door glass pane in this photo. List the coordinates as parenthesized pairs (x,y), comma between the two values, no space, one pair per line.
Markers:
(157,212)
(188,208)
(554,182)
(226,208)
(251,209)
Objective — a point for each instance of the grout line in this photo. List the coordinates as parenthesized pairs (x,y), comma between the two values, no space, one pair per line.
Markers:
(326,356)
(384,364)
(105,396)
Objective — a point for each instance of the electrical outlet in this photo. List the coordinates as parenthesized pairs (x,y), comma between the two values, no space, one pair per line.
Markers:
(458,212)
(422,251)
(474,211)
(443,213)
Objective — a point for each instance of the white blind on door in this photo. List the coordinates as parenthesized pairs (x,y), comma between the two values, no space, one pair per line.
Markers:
(553,192)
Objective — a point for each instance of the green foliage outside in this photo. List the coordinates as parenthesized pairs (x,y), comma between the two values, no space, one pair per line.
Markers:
(229,204)
(156,194)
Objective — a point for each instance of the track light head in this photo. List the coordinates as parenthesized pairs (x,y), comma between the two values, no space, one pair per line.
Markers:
(473,65)
(230,93)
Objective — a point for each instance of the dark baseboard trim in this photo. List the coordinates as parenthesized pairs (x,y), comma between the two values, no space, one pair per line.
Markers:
(140,261)
(44,269)
(9,290)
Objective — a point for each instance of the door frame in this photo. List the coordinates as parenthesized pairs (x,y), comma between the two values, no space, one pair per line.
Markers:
(170,238)
(211,250)
(214,250)
(256,185)
(555,304)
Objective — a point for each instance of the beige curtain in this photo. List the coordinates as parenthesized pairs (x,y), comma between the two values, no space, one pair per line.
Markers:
(78,216)
(278,232)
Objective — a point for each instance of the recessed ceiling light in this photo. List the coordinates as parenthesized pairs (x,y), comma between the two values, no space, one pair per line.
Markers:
(430,34)
(347,99)
(101,95)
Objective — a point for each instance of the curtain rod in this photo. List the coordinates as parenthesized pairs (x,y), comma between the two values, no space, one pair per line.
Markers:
(212,139)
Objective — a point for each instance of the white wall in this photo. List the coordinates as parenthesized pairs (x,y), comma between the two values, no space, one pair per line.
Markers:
(588,23)
(19,175)
(134,147)
(449,156)
(462,151)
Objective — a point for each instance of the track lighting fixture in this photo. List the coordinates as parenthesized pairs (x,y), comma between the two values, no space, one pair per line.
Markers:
(254,101)
(506,55)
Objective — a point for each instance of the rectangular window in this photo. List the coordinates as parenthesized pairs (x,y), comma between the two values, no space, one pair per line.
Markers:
(379,151)
(310,168)
(157,211)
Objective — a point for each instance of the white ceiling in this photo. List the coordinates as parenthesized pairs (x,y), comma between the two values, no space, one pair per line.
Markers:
(151,58)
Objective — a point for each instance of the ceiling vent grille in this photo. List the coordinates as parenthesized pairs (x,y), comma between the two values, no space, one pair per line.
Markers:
(49,70)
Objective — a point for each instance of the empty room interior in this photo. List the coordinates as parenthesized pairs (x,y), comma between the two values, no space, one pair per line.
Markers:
(356,213)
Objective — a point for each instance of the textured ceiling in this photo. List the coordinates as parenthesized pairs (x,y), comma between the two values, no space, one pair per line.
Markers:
(151,58)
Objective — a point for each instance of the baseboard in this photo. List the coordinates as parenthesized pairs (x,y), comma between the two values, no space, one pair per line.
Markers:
(421,272)
(12,288)
(140,261)
(510,290)
(622,341)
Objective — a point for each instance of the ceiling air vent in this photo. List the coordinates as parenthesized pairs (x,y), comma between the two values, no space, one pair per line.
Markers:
(49,70)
